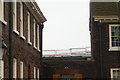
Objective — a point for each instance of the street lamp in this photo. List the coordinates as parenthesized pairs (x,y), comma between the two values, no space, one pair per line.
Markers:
(3,48)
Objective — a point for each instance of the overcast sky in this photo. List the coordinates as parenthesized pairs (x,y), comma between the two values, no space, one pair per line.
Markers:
(67,24)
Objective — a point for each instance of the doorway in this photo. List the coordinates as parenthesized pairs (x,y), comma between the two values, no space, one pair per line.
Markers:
(67,77)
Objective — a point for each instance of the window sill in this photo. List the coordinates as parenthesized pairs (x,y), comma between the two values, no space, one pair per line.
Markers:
(22,37)
(3,21)
(39,50)
(35,47)
(16,32)
(114,49)
(29,43)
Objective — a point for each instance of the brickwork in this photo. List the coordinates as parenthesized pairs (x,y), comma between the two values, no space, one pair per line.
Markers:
(21,50)
(102,59)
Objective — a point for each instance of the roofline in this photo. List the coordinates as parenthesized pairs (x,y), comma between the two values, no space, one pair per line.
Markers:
(35,10)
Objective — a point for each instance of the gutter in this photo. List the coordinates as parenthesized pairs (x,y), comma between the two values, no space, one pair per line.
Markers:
(100,50)
(41,62)
(10,39)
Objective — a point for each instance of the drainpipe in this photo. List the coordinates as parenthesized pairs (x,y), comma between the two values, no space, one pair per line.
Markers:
(100,50)
(41,38)
(10,39)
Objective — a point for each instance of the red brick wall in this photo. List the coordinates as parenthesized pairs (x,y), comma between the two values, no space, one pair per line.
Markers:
(21,50)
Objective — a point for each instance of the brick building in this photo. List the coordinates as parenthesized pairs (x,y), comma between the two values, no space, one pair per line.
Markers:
(21,25)
(105,47)
(105,37)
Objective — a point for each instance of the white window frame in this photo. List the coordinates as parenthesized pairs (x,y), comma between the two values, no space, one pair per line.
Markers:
(15,17)
(14,68)
(1,69)
(34,72)
(38,37)
(111,48)
(111,71)
(29,31)
(21,70)
(34,35)
(21,21)
(38,73)
(2,12)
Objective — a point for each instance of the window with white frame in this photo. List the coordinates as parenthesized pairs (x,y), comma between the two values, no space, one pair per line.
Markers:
(21,70)
(38,38)
(38,73)
(2,12)
(114,37)
(14,68)
(34,72)
(15,17)
(115,73)
(21,21)
(29,30)
(1,69)
(34,35)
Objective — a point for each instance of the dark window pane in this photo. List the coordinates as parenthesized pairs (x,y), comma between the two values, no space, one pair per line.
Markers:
(113,44)
(112,29)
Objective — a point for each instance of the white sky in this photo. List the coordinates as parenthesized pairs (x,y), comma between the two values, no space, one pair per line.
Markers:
(67,24)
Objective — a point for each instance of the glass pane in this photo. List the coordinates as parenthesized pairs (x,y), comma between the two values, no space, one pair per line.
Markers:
(112,29)
(116,33)
(119,43)
(113,33)
(118,73)
(114,39)
(119,33)
(113,44)
(116,29)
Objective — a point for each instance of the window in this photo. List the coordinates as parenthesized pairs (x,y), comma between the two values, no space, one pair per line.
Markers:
(34,35)
(38,73)
(2,12)
(34,72)
(115,73)
(21,20)
(14,68)
(29,30)
(38,38)
(114,36)
(21,69)
(15,17)
(1,69)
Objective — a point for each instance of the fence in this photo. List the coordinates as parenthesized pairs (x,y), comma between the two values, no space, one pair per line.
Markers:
(84,52)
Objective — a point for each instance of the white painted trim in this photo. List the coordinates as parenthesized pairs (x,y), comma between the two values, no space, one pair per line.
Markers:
(39,50)
(110,41)
(39,12)
(2,9)
(111,71)
(29,30)
(34,35)
(23,37)
(34,72)
(29,43)
(14,68)
(4,22)
(1,69)
(16,32)
(38,38)
(21,69)
(106,18)
(2,12)
(21,21)
(15,17)
(38,73)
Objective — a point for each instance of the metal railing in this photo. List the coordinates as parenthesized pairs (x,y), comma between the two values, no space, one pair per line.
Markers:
(84,52)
